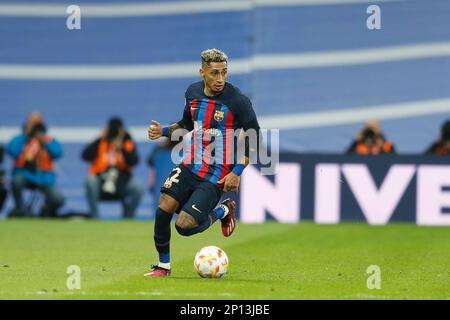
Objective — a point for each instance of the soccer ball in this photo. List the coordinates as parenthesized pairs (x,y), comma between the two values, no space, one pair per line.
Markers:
(211,262)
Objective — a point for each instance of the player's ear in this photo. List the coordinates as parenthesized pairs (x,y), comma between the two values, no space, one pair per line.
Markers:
(201,72)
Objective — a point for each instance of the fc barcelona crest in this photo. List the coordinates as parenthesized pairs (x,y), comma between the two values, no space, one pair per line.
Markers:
(218,115)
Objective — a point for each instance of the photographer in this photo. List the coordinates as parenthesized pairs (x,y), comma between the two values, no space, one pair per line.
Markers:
(442,145)
(112,157)
(3,191)
(34,151)
(370,141)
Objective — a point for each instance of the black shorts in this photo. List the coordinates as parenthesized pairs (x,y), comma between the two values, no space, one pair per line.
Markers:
(196,196)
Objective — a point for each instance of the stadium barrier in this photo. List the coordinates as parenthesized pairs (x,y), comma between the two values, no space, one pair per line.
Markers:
(328,189)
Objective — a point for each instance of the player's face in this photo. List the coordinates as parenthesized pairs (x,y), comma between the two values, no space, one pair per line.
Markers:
(215,75)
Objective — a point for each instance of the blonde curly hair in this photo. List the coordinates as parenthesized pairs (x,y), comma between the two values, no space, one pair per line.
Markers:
(213,55)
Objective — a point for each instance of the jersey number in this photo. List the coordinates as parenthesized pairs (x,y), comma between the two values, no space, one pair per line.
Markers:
(173,178)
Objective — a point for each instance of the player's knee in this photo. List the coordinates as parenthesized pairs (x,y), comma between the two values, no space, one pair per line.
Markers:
(184,224)
(183,231)
(167,203)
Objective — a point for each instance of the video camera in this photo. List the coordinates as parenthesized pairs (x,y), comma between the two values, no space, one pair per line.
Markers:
(368,136)
(114,127)
(33,147)
(38,128)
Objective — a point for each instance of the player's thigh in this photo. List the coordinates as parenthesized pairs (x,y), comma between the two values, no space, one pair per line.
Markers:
(167,203)
(176,189)
(202,201)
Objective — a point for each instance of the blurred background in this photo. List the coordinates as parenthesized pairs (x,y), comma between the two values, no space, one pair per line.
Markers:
(311,68)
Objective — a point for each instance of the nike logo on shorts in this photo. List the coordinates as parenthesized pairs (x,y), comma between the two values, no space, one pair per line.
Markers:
(195,208)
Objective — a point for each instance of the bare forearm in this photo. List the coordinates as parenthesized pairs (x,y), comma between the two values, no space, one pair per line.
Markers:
(244,160)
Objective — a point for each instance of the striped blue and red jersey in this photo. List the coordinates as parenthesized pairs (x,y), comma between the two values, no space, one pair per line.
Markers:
(213,120)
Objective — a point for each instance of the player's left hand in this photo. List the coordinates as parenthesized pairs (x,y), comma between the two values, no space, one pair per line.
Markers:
(230,182)
(155,130)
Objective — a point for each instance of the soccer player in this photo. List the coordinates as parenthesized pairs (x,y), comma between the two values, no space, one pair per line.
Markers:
(214,108)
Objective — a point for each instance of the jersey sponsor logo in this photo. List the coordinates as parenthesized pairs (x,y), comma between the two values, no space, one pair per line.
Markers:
(218,115)
(211,131)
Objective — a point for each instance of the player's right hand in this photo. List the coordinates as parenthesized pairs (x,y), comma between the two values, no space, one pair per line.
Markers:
(155,130)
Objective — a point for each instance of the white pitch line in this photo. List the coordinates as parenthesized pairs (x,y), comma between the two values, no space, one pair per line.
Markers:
(124,293)
(261,62)
(285,122)
(160,8)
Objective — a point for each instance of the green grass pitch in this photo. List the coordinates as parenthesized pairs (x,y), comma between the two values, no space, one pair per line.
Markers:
(268,261)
